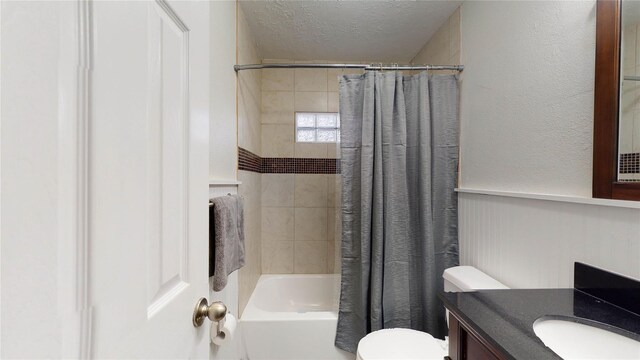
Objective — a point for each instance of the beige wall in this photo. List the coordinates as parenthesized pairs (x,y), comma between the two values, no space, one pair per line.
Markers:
(249,130)
(249,90)
(299,216)
(527,124)
(444,46)
(526,109)
(222,91)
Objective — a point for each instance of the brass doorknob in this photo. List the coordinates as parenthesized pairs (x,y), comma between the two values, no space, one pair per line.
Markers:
(215,312)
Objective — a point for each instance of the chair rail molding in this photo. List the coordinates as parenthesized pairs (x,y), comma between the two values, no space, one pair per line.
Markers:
(552,197)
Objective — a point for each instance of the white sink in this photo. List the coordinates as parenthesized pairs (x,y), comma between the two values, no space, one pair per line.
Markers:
(571,340)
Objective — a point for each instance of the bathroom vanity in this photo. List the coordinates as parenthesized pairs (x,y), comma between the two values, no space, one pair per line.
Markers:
(466,343)
(499,324)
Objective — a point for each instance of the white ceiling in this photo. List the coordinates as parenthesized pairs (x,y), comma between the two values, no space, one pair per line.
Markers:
(388,31)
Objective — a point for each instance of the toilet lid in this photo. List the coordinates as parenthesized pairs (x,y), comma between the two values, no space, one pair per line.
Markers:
(401,344)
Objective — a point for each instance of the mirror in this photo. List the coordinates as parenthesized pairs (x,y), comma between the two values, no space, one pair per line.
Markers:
(629,113)
(616,118)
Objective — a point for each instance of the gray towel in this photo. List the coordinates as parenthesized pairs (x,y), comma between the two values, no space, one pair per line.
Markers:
(226,238)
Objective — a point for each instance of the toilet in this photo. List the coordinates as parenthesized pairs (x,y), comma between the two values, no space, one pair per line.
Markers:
(405,344)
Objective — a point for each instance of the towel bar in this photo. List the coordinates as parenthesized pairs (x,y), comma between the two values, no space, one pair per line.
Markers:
(211,200)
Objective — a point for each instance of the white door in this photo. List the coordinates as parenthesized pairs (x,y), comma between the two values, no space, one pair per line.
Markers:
(104,163)
(147,177)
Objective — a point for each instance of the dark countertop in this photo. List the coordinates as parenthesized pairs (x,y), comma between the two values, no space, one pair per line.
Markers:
(505,317)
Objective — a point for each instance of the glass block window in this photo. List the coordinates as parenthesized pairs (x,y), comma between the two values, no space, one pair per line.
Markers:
(317,127)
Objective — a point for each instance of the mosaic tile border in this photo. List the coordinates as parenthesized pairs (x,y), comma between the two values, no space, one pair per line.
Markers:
(629,163)
(251,162)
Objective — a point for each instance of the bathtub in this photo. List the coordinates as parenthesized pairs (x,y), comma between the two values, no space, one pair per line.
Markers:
(292,317)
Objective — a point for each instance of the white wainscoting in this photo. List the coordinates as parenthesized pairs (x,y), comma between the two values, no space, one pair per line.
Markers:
(531,243)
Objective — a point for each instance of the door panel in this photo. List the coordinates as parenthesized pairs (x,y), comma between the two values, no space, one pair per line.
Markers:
(148,152)
(167,131)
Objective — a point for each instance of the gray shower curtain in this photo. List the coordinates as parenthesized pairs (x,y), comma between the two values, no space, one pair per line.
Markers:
(399,144)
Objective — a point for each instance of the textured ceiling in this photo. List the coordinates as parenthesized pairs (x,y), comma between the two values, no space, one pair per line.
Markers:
(389,31)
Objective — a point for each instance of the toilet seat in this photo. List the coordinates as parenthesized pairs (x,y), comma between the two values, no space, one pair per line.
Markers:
(400,344)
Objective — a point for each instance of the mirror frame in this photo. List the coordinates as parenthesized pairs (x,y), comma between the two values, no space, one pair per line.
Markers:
(606,106)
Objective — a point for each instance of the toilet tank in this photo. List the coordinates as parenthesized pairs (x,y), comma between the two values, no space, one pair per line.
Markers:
(468,278)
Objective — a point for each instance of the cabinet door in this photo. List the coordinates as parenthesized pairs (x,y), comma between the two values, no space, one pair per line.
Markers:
(474,350)
(463,345)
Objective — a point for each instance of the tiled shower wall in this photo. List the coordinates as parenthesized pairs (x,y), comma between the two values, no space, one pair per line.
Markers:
(249,138)
(300,224)
(301,212)
(285,91)
(444,46)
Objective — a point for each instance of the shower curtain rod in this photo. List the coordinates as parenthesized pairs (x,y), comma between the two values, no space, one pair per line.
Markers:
(348,66)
